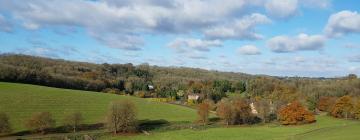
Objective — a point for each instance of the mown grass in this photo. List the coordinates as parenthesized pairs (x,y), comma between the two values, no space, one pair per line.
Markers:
(326,128)
(19,101)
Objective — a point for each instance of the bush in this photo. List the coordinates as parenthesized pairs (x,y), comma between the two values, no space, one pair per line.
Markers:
(40,122)
(295,113)
(140,94)
(5,126)
(343,107)
(111,91)
(162,99)
(122,117)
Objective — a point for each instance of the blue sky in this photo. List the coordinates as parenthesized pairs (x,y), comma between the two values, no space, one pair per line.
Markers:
(275,37)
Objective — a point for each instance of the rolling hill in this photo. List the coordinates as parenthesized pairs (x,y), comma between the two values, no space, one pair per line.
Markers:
(19,101)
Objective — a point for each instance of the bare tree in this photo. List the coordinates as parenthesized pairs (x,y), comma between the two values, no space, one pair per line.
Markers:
(40,122)
(122,117)
(73,120)
(5,126)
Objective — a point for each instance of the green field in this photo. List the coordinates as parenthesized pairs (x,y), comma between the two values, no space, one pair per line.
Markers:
(326,128)
(21,100)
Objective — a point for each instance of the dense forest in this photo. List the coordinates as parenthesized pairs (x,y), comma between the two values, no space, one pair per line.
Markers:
(171,82)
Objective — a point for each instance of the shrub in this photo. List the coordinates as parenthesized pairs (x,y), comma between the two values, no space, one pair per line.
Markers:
(40,122)
(295,113)
(162,99)
(343,107)
(111,91)
(73,120)
(122,117)
(140,94)
(5,126)
(203,112)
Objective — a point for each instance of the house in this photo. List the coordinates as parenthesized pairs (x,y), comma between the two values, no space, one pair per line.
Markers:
(253,109)
(193,97)
(150,87)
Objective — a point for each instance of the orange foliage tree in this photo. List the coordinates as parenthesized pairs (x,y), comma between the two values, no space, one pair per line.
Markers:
(326,103)
(343,107)
(203,112)
(295,113)
(357,110)
(224,111)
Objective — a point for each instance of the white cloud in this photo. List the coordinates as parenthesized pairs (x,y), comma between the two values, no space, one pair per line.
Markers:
(281,44)
(118,24)
(342,23)
(239,29)
(249,50)
(4,24)
(281,8)
(299,59)
(317,3)
(182,45)
(354,58)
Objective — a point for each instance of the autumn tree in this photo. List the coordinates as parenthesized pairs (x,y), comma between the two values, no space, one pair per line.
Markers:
(203,112)
(263,108)
(343,107)
(295,113)
(40,122)
(357,110)
(73,120)
(326,103)
(242,111)
(5,126)
(122,117)
(224,111)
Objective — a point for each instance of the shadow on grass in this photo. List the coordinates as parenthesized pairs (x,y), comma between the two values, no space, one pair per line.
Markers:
(148,125)
(61,129)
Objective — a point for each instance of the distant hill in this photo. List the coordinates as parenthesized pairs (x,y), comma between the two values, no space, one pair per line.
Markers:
(96,77)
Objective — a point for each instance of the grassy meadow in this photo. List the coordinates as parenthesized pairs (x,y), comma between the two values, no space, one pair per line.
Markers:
(19,101)
(326,128)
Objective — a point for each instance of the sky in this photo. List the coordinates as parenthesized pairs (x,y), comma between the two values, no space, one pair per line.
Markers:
(311,38)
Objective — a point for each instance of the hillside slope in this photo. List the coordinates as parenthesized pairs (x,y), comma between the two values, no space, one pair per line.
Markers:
(19,101)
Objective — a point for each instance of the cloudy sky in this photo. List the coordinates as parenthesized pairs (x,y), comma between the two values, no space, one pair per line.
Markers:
(274,37)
